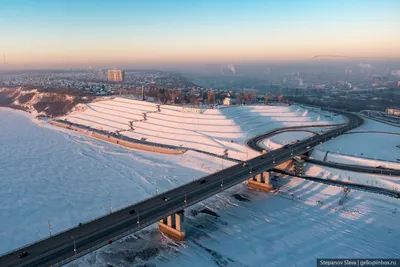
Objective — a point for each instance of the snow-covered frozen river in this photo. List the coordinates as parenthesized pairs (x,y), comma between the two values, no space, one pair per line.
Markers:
(67,178)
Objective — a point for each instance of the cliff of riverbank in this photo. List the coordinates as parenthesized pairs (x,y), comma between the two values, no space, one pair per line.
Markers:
(50,104)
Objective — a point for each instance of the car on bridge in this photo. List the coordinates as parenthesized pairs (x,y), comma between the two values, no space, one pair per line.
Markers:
(166,199)
(23,254)
(132,211)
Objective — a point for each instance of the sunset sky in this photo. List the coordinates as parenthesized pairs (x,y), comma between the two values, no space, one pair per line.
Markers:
(103,33)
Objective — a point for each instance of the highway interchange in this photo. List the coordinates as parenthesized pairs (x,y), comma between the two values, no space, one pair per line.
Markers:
(71,244)
(254,143)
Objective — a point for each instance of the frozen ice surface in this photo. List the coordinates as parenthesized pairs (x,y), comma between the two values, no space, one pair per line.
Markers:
(69,178)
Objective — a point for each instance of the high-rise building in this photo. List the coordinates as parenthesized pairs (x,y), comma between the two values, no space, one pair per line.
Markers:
(115,75)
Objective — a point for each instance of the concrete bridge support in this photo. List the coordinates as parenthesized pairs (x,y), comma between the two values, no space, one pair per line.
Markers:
(172,226)
(261,182)
(298,166)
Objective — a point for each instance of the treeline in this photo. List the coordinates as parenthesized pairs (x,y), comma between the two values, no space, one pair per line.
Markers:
(174,96)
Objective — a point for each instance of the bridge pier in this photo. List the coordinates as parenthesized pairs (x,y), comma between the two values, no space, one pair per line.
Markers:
(172,226)
(299,164)
(261,182)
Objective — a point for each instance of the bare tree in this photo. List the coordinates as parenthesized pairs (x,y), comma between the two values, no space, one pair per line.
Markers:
(253,97)
(246,97)
(266,99)
(173,95)
(239,99)
(193,99)
(210,97)
(277,95)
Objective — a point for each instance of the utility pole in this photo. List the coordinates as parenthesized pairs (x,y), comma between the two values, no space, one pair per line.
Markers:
(143,92)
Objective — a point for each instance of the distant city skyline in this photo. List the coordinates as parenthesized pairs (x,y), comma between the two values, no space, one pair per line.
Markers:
(48,33)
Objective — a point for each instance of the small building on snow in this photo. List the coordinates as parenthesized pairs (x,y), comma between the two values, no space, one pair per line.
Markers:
(228,101)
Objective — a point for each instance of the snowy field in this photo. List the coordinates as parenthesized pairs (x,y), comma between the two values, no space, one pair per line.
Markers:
(214,130)
(372,144)
(69,178)
(281,139)
(291,227)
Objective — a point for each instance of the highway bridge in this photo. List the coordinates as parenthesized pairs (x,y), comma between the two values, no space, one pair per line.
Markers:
(76,242)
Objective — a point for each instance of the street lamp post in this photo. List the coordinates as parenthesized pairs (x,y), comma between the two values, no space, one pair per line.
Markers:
(185,199)
(74,246)
(222,179)
(138,218)
(155,184)
(49,228)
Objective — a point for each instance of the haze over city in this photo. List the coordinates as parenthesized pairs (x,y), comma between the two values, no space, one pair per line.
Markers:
(137,33)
